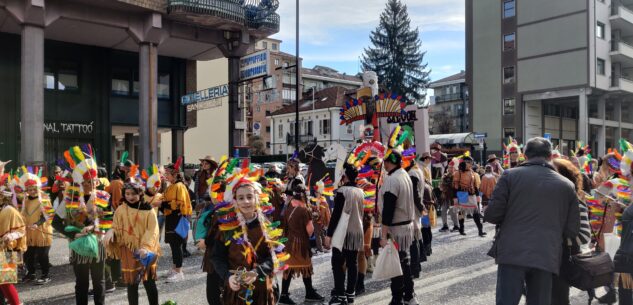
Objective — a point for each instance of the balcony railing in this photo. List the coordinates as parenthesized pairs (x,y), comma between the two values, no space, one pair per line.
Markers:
(448,97)
(254,14)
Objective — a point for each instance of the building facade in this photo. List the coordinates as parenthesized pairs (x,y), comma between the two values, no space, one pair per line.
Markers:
(560,68)
(110,73)
(448,112)
(318,122)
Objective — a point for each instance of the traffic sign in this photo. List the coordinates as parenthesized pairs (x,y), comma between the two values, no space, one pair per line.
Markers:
(548,136)
(480,135)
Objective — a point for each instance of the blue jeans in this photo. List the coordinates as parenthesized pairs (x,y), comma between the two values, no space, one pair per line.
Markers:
(511,280)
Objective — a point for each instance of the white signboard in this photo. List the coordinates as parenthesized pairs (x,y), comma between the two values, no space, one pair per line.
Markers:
(255,65)
(205,95)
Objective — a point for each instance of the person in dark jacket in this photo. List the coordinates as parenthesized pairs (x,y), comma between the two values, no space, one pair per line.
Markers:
(536,209)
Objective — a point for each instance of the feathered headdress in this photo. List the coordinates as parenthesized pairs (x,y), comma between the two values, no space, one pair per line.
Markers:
(82,163)
(31,176)
(396,139)
(151,177)
(325,186)
(627,158)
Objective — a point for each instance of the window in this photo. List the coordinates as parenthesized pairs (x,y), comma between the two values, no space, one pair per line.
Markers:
(508,42)
(289,94)
(350,129)
(324,127)
(600,29)
(274,46)
(265,45)
(280,132)
(600,66)
(267,144)
(276,61)
(290,78)
(508,132)
(508,75)
(508,8)
(268,129)
(508,106)
(258,108)
(61,76)
(49,78)
(162,91)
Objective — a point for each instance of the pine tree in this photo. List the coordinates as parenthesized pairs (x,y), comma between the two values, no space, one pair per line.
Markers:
(396,54)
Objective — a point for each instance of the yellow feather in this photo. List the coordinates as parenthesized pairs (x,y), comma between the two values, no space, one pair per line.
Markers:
(77,152)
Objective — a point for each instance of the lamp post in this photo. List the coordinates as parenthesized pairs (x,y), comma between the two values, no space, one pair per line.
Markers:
(297,83)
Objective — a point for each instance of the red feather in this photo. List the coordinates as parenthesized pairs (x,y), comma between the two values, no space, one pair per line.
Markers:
(178,163)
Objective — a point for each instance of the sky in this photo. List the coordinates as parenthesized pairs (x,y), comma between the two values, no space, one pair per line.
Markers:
(334,33)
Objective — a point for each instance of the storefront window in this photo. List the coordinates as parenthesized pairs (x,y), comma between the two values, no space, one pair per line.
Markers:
(61,76)
(508,132)
(49,78)
(120,82)
(162,91)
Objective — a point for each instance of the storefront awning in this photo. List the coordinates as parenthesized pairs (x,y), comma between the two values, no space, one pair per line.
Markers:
(454,138)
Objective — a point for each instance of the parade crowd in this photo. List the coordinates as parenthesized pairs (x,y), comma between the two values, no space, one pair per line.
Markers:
(555,215)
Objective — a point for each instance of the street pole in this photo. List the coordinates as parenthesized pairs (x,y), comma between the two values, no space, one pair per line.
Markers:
(297,83)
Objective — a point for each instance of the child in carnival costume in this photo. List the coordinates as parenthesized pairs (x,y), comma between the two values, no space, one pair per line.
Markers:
(84,217)
(321,210)
(513,156)
(134,238)
(12,239)
(249,249)
(37,212)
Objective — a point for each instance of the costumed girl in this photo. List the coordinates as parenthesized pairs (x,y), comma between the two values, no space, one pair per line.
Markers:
(418,181)
(293,176)
(298,227)
(134,240)
(153,183)
(467,182)
(12,240)
(37,211)
(321,211)
(176,206)
(84,217)
(349,201)
(513,156)
(248,250)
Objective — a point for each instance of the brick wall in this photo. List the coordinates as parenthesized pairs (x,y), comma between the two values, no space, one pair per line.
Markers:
(155,5)
(191,86)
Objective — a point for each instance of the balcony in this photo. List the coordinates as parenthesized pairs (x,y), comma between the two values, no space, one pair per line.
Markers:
(621,18)
(621,84)
(256,15)
(621,52)
(448,97)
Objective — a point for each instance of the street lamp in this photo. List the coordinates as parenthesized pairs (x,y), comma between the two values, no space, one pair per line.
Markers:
(297,83)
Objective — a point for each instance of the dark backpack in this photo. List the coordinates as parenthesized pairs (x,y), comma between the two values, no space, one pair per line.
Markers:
(588,271)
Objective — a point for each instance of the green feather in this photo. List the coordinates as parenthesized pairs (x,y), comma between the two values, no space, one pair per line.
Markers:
(403,138)
(124,156)
(624,146)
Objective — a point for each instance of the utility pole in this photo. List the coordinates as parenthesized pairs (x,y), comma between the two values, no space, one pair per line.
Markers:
(297,83)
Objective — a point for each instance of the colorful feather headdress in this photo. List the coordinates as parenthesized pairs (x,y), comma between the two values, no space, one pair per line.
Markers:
(396,139)
(151,177)
(389,105)
(581,146)
(627,158)
(82,163)
(31,176)
(325,186)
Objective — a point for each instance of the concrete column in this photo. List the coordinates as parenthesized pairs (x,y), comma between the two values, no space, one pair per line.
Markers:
(129,146)
(32,94)
(602,129)
(235,115)
(583,118)
(618,117)
(148,105)
(177,143)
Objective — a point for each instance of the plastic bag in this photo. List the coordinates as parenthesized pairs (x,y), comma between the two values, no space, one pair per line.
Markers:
(183,227)
(611,243)
(87,246)
(387,263)
(338,238)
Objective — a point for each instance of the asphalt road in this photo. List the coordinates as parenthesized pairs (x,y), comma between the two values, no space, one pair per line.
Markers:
(458,272)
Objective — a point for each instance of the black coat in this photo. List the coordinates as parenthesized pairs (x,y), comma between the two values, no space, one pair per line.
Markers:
(536,208)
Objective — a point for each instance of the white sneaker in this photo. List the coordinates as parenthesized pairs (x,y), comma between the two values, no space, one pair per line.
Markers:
(176,277)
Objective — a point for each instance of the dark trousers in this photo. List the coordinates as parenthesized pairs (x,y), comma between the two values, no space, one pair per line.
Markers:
(476,218)
(285,284)
(625,296)
(176,251)
(34,256)
(150,289)
(511,280)
(417,251)
(214,286)
(339,261)
(112,272)
(402,286)
(427,238)
(560,291)
(83,274)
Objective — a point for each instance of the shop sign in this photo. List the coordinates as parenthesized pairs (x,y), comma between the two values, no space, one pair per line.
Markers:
(409,116)
(68,129)
(255,65)
(205,95)
(204,105)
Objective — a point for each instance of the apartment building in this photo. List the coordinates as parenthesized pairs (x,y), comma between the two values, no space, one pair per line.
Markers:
(448,112)
(562,68)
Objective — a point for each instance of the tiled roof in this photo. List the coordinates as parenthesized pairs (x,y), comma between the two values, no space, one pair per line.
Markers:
(329,72)
(326,98)
(458,76)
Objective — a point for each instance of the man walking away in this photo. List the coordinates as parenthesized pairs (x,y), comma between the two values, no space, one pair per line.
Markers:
(536,208)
